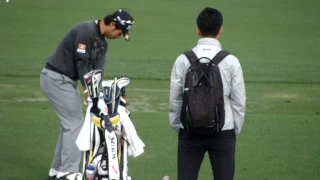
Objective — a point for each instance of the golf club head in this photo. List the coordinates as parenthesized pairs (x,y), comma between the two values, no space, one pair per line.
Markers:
(92,80)
(123,82)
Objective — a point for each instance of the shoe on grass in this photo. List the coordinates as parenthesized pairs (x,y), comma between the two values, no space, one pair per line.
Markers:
(52,174)
(68,176)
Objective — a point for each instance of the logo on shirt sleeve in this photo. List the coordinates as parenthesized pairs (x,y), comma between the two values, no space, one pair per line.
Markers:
(82,48)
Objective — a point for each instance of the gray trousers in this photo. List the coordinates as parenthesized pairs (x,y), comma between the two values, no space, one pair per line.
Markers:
(64,96)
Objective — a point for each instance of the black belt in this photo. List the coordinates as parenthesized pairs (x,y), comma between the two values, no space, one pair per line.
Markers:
(51,68)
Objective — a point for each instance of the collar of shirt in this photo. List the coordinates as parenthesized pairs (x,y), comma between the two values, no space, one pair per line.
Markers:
(207,48)
(209,41)
(98,28)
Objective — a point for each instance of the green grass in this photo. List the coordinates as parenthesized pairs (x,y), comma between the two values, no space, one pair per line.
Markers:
(276,42)
(279,140)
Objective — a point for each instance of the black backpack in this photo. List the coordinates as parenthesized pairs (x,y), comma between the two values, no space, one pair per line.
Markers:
(203,105)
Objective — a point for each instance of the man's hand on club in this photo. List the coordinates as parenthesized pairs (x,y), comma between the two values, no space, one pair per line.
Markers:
(87,98)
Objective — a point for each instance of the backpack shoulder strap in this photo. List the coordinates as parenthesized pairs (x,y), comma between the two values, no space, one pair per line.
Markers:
(220,56)
(191,56)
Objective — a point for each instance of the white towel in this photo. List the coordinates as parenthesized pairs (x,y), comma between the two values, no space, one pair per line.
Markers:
(83,140)
(135,144)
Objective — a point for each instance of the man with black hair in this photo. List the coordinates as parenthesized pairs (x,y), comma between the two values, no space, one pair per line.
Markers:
(220,144)
(83,49)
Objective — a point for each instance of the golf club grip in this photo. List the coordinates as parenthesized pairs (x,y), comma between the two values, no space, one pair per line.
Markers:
(114,94)
(123,92)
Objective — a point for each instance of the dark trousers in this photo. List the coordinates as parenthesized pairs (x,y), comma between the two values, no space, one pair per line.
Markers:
(221,150)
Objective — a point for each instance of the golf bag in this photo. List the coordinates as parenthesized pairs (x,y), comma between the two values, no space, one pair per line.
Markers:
(109,126)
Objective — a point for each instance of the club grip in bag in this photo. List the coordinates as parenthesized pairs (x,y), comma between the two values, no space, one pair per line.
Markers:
(123,97)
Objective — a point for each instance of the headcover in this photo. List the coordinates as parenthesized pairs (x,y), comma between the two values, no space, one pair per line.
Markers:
(108,88)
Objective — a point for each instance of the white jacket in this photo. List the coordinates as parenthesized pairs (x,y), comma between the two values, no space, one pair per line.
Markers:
(232,80)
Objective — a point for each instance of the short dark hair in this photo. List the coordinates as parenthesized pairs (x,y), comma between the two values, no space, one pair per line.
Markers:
(209,22)
(110,18)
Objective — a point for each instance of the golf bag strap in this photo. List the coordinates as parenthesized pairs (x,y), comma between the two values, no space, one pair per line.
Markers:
(219,57)
(191,56)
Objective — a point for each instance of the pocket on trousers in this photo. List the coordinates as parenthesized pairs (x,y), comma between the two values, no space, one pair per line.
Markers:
(228,134)
(54,76)
(181,131)
(68,86)
(44,71)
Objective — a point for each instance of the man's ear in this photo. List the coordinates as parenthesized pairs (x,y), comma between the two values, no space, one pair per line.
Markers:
(198,32)
(112,25)
(220,31)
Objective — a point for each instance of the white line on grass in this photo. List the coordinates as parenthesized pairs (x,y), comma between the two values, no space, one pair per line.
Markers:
(149,90)
(26,99)
(139,103)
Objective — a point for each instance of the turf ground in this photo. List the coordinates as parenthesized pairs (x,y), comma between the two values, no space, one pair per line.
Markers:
(277,43)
